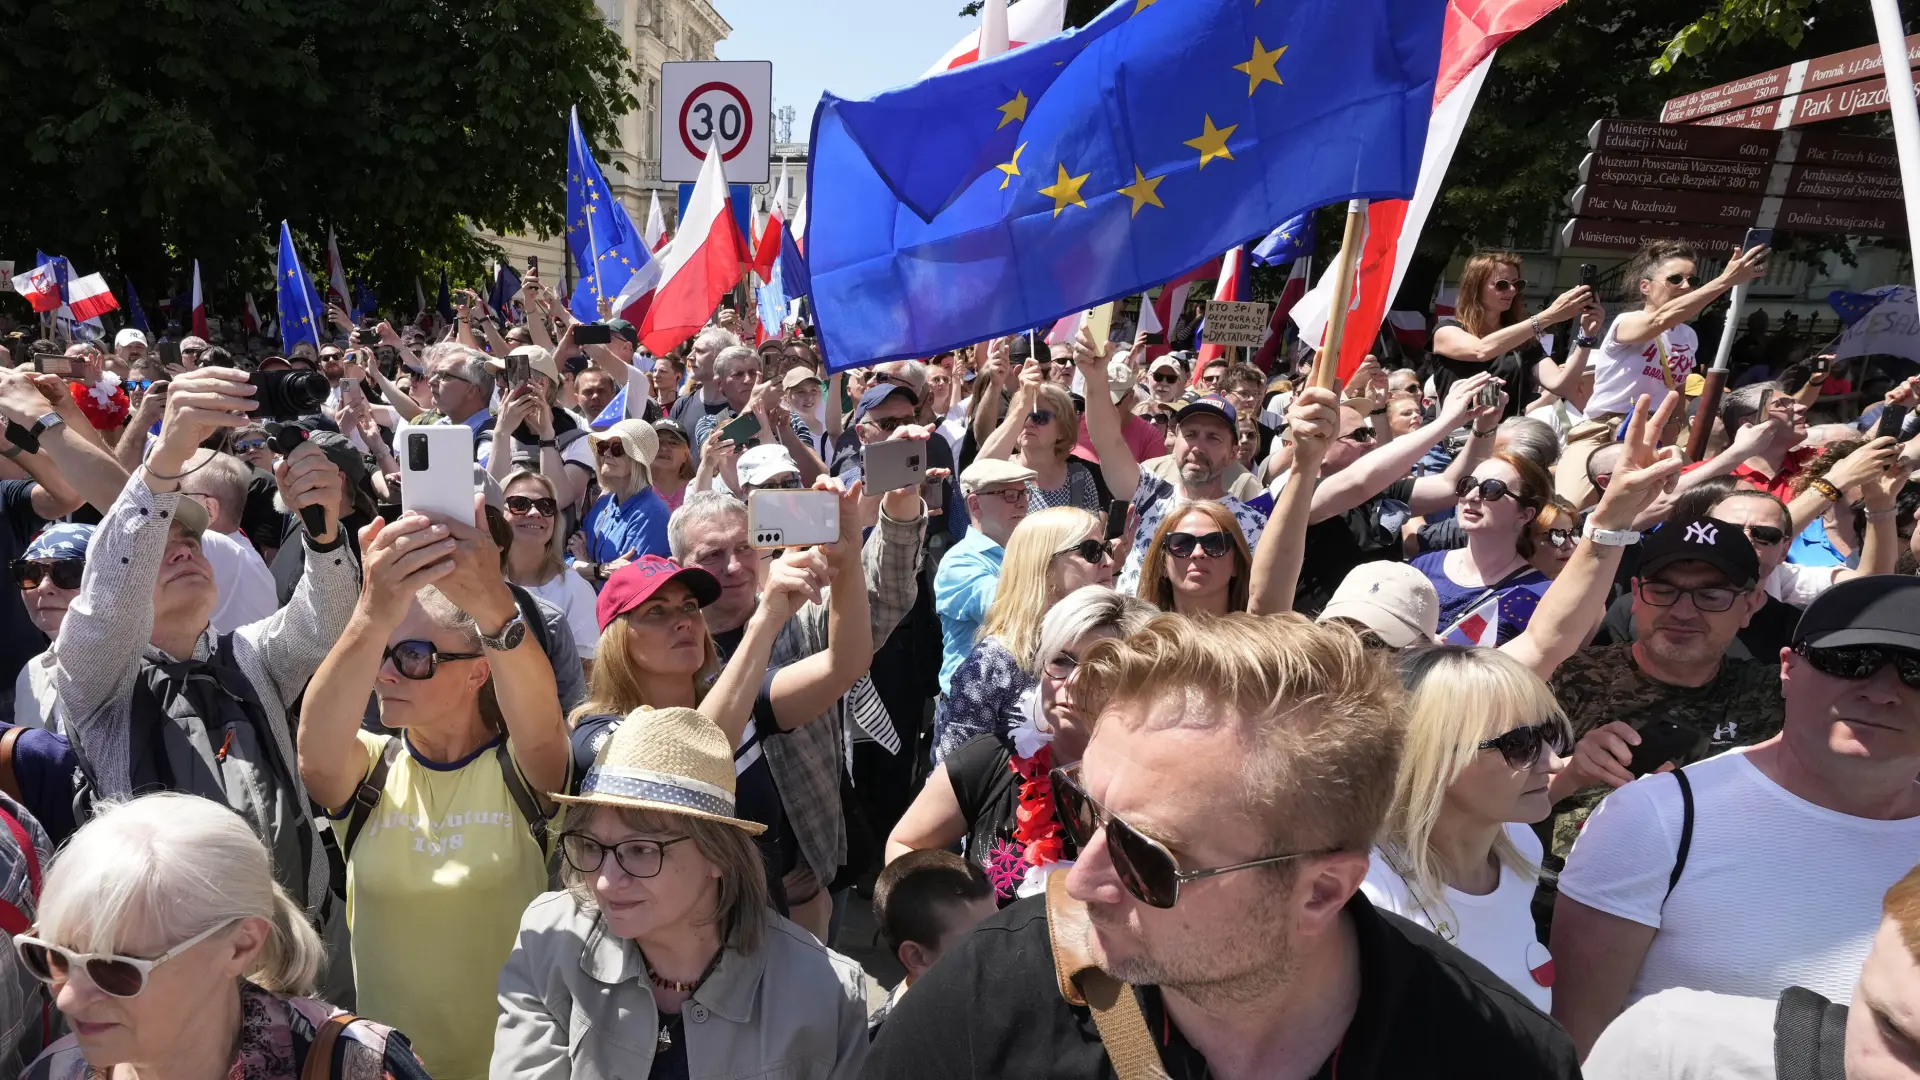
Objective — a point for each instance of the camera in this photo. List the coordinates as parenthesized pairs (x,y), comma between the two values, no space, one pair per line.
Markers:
(286,395)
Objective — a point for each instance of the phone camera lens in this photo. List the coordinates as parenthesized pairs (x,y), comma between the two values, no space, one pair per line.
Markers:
(417,452)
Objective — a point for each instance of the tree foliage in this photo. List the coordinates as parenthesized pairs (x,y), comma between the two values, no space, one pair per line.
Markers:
(143,134)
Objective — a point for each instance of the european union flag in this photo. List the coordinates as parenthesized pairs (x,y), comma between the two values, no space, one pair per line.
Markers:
(445,304)
(1102,162)
(135,314)
(1853,306)
(1290,241)
(506,286)
(301,313)
(600,235)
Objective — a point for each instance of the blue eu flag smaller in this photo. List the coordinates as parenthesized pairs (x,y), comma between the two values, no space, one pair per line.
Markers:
(135,314)
(600,235)
(1290,241)
(301,312)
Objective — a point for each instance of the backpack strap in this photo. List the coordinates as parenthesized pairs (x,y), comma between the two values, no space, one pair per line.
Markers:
(10,783)
(522,797)
(1116,1012)
(367,795)
(320,1063)
(1809,1037)
(530,615)
(12,919)
(1686,831)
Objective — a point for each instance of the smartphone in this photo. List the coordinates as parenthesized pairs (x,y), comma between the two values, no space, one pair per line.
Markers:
(1892,419)
(1757,238)
(1821,364)
(519,370)
(1116,518)
(1099,321)
(436,470)
(777,519)
(1766,402)
(169,353)
(593,333)
(1589,275)
(52,364)
(1488,396)
(893,464)
(533,263)
(1662,741)
(741,428)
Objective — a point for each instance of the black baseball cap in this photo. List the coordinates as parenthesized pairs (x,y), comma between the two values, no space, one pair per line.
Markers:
(1720,544)
(625,329)
(1883,609)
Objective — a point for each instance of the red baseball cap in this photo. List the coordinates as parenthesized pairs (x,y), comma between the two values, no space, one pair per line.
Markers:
(632,585)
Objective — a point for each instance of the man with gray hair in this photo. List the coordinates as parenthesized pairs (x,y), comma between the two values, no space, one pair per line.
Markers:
(689,408)
(460,386)
(737,374)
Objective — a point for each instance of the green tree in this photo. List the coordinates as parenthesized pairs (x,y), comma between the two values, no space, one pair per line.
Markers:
(143,134)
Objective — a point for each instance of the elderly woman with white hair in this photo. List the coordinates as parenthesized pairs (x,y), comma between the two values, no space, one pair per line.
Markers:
(629,519)
(995,795)
(172,953)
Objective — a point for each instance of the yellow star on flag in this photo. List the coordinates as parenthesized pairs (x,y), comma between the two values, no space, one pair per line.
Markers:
(1066,191)
(1142,5)
(1263,67)
(1212,142)
(1142,191)
(1012,110)
(1011,168)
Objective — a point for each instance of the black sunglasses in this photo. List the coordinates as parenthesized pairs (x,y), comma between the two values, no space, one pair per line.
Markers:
(28,573)
(1156,419)
(1508,285)
(1040,417)
(1490,489)
(636,858)
(1521,746)
(1166,377)
(889,424)
(420,659)
(1679,279)
(1765,535)
(1856,662)
(611,448)
(1146,867)
(528,504)
(1180,545)
(1091,552)
(1714,598)
(1361,434)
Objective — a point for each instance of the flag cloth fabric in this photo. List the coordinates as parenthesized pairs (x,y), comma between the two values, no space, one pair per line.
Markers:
(1296,287)
(1474,29)
(699,267)
(1283,245)
(1480,627)
(1097,163)
(419,300)
(1023,23)
(795,280)
(1234,284)
(445,305)
(365,301)
(337,292)
(135,314)
(506,286)
(1850,306)
(199,309)
(249,315)
(40,286)
(301,312)
(601,237)
(89,297)
(656,234)
(768,251)
(1159,316)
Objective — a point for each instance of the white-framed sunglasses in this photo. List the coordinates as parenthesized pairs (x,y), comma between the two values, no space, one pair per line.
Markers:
(117,975)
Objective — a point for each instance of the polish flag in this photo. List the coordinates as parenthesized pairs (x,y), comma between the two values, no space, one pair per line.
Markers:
(250,316)
(337,293)
(799,228)
(656,235)
(1474,29)
(1158,316)
(768,251)
(1290,294)
(90,298)
(199,304)
(40,286)
(1003,28)
(1234,284)
(699,267)
(1066,329)
(1481,626)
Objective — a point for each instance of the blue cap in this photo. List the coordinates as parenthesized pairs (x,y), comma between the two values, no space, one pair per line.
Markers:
(1210,405)
(63,541)
(876,395)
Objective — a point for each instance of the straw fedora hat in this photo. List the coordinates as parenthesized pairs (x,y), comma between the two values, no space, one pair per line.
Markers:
(672,760)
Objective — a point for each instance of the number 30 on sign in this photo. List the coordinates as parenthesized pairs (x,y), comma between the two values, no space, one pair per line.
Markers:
(726,104)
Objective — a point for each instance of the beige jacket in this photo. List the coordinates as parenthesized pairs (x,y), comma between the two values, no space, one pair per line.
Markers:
(575,1005)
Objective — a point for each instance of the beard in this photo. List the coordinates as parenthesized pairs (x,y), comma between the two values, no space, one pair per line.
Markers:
(1194,472)
(1210,962)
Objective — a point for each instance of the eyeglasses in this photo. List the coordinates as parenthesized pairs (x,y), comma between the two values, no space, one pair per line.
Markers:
(790,482)
(117,975)
(1521,746)
(1166,377)
(1489,489)
(1159,420)
(248,446)
(1713,598)
(1679,279)
(1765,535)
(636,858)
(1061,666)
(1856,662)
(28,573)
(1091,552)
(610,448)
(888,424)
(1040,417)
(1012,496)
(1508,285)
(1146,867)
(1181,545)
(1361,434)
(528,504)
(420,659)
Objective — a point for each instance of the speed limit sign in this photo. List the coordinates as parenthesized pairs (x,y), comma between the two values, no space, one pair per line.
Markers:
(727,104)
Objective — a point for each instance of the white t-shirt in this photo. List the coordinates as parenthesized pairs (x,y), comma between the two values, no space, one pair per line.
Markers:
(1495,929)
(1683,1034)
(1798,584)
(570,593)
(1776,892)
(247,592)
(1622,372)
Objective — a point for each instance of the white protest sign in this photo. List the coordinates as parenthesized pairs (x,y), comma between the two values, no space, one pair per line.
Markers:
(1230,322)
(728,103)
(1892,328)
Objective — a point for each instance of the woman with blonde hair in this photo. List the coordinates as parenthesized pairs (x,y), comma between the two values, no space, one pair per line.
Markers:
(1198,563)
(1040,431)
(1456,854)
(171,952)
(536,560)
(1491,330)
(1050,554)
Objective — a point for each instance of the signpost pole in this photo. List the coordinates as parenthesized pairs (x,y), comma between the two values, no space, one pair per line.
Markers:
(1906,118)
(1716,380)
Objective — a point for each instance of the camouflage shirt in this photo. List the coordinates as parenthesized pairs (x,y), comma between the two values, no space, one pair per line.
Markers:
(1740,707)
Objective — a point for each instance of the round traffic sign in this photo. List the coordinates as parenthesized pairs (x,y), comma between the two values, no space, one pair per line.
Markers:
(716,113)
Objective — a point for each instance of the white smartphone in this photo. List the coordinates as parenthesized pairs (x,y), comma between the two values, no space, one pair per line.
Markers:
(780,519)
(894,464)
(436,469)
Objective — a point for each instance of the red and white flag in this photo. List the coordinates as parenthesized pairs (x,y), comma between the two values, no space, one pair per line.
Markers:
(1234,284)
(40,285)
(1474,29)
(89,297)
(337,277)
(1290,294)
(199,304)
(768,251)
(1480,627)
(250,316)
(1003,28)
(1161,313)
(700,266)
(656,235)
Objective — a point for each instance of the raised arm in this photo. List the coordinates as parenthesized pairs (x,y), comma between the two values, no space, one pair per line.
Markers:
(1564,379)
(399,345)
(1431,493)
(800,575)
(1881,545)
(1370,475)
(1634,327)
(1117,464)
(1005,437)
(1314,419)
(806,688)
(1455,342)
(998,370)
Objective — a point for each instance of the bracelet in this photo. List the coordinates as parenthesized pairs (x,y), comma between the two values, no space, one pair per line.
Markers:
(1534,322)
(1881,515)
(1825,488)
(1478,434)
(1378,411)
(182,476)
(1585,341)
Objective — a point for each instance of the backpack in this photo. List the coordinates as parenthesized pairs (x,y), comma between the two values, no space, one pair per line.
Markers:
(15,921)
(1809,1037)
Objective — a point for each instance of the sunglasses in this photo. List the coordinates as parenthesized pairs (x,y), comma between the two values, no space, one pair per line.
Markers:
(1521,746)
(1679,279)
(527,504)
(1180,545)
(1489,489)
(29,573)
(889,424)
(790,483)
(1158,420)
(1040,417)
(611,448)
(1856,662)
(1765,535)
(1362,434)
(1714,598)
(1166,377)
(117,975)
(1508,285)
(420,659)
(636,858)
(1091,552)
(1561,538)
(248,446)
(1146,867)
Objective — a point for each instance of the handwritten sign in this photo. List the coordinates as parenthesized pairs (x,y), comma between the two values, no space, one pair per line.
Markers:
(1233,323)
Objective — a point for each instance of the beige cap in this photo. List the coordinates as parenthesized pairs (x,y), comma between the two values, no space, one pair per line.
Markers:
(191,515)
(1120,378)
(1392,599)
(672,760)
(1167,362)
(538,358)
(797,376)
(986,472)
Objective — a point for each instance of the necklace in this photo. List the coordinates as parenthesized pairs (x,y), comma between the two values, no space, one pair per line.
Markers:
(1036,831)
(681,987)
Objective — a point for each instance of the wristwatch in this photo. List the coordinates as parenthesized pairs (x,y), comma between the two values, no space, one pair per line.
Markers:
(50,420)
(549,442)
(1585,341)
(1610,537)
(510,637)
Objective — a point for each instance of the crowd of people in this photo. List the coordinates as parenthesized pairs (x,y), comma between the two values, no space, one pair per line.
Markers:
(1171,716)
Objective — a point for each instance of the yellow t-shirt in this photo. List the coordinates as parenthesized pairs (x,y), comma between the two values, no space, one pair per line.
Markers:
(437,882)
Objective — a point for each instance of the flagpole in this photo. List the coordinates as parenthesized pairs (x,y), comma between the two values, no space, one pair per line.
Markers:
(1327,364)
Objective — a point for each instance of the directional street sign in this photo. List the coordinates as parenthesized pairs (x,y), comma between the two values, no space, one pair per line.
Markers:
(1715,243)
(1852,99)
(1800,77)
(1672,140)
(1684,174)
(1639,204)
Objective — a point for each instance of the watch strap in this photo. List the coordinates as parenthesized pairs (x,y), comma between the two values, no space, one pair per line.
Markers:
(1610,537)
(506,639)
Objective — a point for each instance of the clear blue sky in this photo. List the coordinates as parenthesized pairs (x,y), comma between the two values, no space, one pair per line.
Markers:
(851,47)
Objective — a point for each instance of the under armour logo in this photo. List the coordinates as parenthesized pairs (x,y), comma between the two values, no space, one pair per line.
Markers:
(1702,533)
